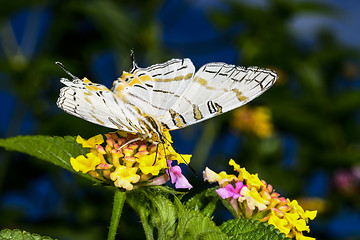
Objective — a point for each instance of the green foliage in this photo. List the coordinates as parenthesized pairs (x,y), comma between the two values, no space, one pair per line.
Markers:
(248,229)
(171,219)
(163,218)
(57,150)
(16,234)
(194,225)
(204,202)
(156,210)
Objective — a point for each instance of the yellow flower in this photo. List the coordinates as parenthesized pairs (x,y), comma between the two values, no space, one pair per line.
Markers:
(235,165)
(262,124)
(167,136)
(310,214)
(123,177)
(299,224)
(91,142)
(210,176)
(296,208)
(149,165)
(254,120)
(222,178)
(279,223)
(253,199)
(299,236)
(170,152)
(252,180)
(289,217)
(83,164)
(127,163)
(182,158)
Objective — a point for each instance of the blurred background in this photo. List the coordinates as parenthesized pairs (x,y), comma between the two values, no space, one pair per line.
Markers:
(302,136)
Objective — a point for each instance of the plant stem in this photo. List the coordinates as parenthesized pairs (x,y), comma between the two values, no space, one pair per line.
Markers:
(204,144)
(145,222)
(119,200)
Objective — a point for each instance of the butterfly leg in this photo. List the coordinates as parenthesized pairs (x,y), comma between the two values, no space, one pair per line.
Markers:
(167,162)
(183,160)
(156,152)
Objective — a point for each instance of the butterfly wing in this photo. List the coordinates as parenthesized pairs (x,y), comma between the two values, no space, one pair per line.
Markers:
(97,104)
(156,88)
(170,80)
(136,96)
(169,93)
(217,88)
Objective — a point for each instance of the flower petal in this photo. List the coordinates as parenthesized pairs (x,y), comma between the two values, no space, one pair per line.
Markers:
(83,164)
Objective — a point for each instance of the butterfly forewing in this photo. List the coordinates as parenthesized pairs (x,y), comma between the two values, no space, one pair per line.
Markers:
(97,104)
(168,82)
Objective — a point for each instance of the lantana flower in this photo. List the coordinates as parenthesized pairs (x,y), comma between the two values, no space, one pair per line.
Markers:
(253,198)
(255,120)
(177,177)
(85,164)
(126,164)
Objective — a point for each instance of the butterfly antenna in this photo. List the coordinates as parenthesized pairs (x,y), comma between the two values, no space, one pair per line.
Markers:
(187,164)
(134,65)
(65,70)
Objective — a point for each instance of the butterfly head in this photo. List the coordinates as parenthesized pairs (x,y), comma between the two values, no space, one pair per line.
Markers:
(156,138)
(127,77)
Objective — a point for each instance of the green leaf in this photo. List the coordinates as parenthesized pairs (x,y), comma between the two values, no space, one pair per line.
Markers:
(204,202)
(57,150)
(249,229)
(194,225)
(16,234)
(155,209)
(170,218)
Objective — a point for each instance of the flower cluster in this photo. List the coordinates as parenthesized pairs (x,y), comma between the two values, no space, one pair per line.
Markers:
(347,181)
(253,120)
(254,198)
(127,162)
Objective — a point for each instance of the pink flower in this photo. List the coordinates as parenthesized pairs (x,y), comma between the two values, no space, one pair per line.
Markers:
(177,177)
(344,180)
(229,191)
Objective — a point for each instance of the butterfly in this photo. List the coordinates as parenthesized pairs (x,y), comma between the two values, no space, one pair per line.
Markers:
(163,97)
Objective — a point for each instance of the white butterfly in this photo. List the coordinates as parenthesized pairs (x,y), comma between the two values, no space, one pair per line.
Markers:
(167,96)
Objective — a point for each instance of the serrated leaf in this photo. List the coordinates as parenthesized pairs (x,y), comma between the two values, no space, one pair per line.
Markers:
(194,225)
(205,202)
(163,216)
(16,234)
(249,229)
(57,150)
(156,210)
